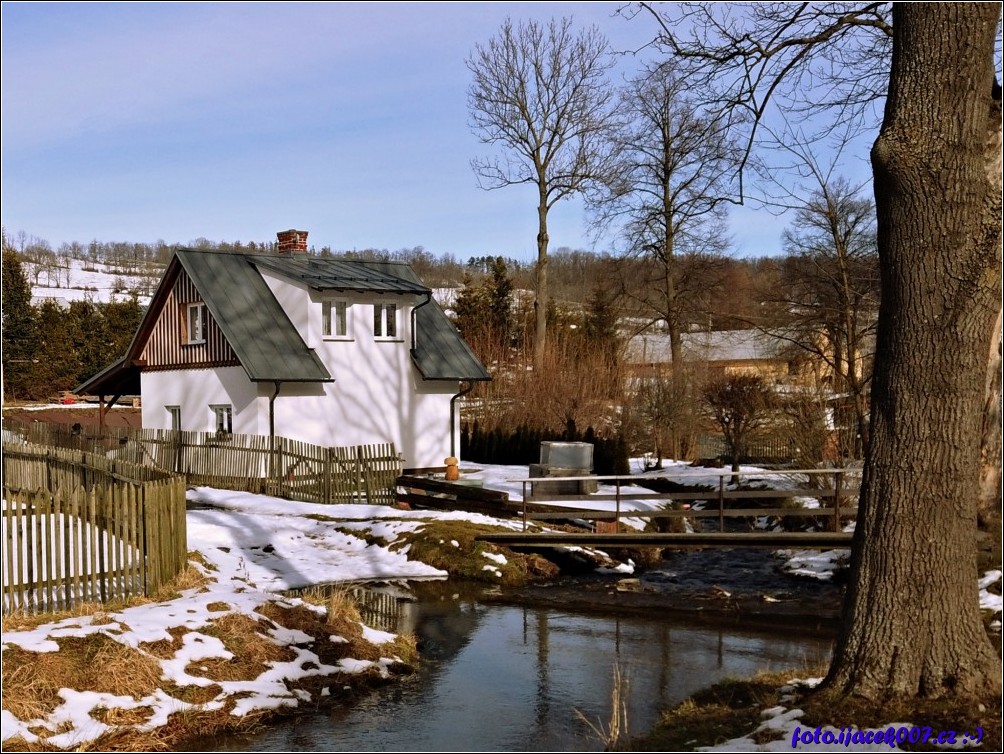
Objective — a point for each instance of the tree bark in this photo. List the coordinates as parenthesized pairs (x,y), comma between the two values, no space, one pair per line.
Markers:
(540,299)
(912,625)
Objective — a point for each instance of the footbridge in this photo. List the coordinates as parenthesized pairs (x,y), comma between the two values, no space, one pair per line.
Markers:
(827,497)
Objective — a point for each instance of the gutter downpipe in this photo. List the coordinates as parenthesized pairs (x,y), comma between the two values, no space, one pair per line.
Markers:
(414,322)
(271,424)
(453,415)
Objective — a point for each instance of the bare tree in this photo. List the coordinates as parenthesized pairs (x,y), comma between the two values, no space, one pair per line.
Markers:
(540,92)
(670,170)
(912,625)
(827,302)
(740,405)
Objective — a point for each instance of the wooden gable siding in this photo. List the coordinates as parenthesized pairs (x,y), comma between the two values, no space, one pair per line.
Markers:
(166,347)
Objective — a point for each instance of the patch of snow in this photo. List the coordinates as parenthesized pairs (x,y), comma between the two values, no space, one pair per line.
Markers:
(373,636)
(813,564)
(496,556)
(989,600)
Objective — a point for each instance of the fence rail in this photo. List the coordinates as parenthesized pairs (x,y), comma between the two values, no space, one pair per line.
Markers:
(835,489)
(246,463)
(78,527)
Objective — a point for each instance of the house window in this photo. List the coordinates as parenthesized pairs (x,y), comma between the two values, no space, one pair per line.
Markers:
(174,413)
(385,320)
(334,319)
(195,323)
(224,419)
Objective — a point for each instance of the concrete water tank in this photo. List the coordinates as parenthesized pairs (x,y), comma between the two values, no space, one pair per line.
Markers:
(567,455)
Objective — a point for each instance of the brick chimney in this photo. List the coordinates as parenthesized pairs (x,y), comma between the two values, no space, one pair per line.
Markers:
(291,242)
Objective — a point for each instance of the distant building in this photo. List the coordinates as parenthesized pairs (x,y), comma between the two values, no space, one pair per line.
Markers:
(720,352)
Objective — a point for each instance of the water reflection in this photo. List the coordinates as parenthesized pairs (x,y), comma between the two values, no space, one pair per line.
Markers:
(511,678)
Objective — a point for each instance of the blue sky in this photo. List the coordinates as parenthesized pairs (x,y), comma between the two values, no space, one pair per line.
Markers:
(140,122)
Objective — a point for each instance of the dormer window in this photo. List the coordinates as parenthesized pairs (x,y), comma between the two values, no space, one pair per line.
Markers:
(385,321)
(195,323)
(334,319)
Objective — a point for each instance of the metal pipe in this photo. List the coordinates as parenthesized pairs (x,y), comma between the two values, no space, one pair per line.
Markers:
(453,416)
(414,322)
(271,411)
(271,428)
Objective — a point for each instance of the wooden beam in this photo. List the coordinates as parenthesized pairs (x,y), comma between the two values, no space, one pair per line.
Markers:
(807,540)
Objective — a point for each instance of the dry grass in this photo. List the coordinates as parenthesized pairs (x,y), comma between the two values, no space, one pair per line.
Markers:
(732,709)
(614,732)
(342,608)
(939,714)
(342,619)
(433,545)
(190,578)
(726,710)
(252,651)
(165,649)
(119,716)
(32,680)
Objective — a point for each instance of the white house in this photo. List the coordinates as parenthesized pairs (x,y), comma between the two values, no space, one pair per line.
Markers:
(328,351)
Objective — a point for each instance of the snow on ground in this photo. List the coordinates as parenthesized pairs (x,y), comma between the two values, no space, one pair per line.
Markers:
(283,544)
(100,283)
(506,479)
(254,545)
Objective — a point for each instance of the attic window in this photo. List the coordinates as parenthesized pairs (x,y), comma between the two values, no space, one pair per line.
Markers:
(195,323)
(385,321)
(334,323)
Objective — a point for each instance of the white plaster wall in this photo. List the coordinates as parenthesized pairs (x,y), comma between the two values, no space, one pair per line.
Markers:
(195,390)
(355,410)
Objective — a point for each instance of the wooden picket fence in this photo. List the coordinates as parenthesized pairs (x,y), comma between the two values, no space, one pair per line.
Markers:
(80,527)
(247,463)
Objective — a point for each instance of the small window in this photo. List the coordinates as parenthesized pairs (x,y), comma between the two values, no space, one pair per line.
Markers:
(195,330)
(334,319)
(224,416)
(174,414)
(385,320)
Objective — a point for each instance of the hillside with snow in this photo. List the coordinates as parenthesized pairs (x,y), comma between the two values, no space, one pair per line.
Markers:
(97,282)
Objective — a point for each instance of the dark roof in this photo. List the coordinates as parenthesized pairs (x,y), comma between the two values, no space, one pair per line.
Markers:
(256,326)
(261,334)
(118,378)
(328,274)
(440,353)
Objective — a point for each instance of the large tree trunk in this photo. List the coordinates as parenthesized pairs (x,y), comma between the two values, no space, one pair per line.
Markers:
(912,624)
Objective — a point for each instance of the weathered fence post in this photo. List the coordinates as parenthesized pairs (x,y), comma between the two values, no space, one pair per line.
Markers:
(721,502)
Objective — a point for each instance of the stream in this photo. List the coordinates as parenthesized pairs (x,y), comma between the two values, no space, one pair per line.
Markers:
(504,677)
